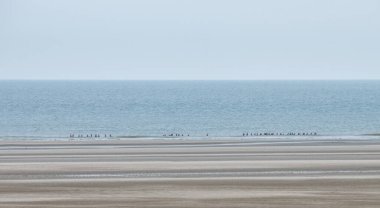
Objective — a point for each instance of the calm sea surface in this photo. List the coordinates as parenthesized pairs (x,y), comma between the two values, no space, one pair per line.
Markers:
(219,108)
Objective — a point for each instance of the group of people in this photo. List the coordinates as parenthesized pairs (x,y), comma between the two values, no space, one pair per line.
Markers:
(89,136)
(257,134)
(177,135)
(181,135)
(282,134)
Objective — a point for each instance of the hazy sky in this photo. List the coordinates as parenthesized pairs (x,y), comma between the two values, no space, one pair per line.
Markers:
(189,39)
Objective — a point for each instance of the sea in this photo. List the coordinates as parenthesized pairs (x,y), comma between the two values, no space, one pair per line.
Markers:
(58,109)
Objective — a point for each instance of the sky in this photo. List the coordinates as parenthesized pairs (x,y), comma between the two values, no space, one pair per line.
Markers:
(189,39)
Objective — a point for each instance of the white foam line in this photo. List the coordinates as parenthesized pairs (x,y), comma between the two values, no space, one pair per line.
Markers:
(217,174)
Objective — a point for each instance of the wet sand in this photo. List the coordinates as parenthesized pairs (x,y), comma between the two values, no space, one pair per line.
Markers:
(190,173)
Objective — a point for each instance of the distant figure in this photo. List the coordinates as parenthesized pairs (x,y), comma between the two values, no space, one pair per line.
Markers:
(110,135)
(207,134)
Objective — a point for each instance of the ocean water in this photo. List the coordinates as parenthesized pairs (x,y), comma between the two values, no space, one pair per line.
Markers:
(48,109)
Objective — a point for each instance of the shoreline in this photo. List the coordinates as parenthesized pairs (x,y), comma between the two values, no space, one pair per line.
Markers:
(195,138)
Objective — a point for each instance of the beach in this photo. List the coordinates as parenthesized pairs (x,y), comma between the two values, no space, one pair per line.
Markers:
(208,172)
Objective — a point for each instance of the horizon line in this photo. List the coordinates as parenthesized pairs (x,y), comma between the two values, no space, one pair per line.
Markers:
(190,79)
